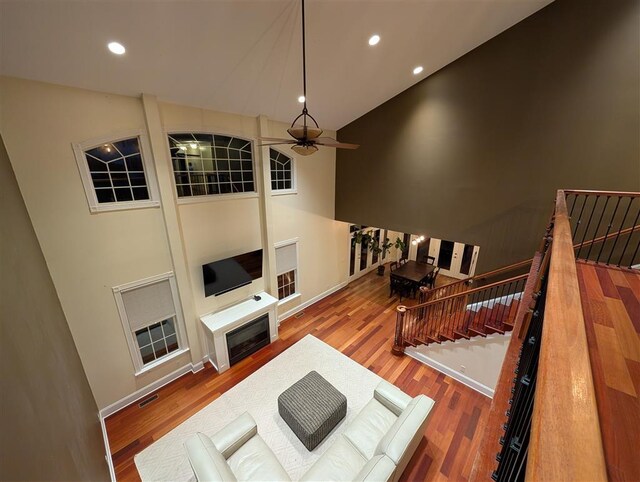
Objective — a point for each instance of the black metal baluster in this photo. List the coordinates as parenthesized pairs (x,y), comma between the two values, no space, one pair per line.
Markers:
(613,217)
(579,217)
(624,218)
(595,233)
(629,239)
(586,229)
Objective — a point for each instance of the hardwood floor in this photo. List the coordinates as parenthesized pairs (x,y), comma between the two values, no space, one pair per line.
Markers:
(358,320)
(611,306)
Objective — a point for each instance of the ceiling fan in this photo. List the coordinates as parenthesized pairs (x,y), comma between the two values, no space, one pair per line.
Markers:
(306,138)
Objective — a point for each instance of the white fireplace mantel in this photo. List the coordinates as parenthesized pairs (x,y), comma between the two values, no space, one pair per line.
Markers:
(216,325)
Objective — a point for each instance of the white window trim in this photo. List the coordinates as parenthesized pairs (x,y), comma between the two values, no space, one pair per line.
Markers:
(139,367)
(297,292)
(87,183)
(204,198)
(294,176)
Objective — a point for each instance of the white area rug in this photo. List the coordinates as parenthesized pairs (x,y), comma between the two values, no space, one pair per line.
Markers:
(166,459)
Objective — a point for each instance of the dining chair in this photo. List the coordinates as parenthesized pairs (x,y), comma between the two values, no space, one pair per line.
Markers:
(431,260)
(433,278)
(393,266)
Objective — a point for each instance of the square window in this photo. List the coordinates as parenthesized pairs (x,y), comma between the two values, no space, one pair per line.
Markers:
(100,179)
(236,176)
(134,163)
(137,179)
(123,194)
(139,305)
(105,195)
(146,352)
(286,265)
(140,193)
(120,179)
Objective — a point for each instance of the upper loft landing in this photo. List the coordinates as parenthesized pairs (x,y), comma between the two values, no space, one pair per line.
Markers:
(611,307)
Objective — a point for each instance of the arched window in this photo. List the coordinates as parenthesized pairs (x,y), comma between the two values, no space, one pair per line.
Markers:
(211,164)
(282,173)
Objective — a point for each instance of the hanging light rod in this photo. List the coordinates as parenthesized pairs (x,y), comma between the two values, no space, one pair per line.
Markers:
(306,138)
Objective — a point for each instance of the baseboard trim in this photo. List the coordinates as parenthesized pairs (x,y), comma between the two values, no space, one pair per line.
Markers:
(112,470)
(135,396)
(313,300)
(152,387)
(456,375)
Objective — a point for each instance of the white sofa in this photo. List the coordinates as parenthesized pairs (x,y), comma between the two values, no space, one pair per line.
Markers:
(376,446)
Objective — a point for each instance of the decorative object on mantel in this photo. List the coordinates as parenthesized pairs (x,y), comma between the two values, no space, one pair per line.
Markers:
(306,138)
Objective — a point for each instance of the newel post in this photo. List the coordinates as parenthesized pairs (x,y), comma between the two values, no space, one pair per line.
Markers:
(398,342)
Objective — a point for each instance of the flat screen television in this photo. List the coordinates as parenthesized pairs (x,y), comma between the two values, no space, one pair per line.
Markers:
(228,274)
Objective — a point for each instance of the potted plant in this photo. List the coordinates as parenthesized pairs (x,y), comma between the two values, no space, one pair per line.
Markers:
(367,239)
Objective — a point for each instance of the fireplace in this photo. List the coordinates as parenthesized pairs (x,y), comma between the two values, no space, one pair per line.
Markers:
(248,339)
(240,330)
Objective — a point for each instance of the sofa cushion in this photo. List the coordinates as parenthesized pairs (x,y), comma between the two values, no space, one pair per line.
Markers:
(379,469)
(369,426)
(391,397)
(207,462)
(341,462)
(255,461)
(406,432)
(235,434)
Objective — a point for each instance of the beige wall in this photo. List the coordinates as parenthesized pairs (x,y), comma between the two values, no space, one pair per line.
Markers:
(309,216)
(48,416)
(88,254)
(215,228)
(475,152)
(476,362)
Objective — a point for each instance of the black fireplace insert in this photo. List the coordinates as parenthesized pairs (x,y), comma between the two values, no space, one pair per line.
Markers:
(248,339)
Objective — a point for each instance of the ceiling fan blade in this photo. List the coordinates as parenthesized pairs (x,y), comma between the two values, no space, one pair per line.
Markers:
(276,143)
(329,142)
(275,139)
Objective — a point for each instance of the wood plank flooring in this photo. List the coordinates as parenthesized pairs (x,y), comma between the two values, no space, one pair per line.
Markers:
(611,306)
(358,320)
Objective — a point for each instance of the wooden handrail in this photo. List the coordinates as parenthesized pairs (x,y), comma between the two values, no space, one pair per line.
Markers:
(519,264)
(565,442)
(601,193)
(465,293)
(604,238)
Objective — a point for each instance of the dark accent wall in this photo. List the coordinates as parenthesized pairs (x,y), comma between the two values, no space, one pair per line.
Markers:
(49,428)
(476,152)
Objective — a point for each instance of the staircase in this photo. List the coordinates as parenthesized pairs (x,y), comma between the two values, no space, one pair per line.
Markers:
(477,306)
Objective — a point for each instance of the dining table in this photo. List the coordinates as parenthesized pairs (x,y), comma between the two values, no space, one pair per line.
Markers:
(413,271)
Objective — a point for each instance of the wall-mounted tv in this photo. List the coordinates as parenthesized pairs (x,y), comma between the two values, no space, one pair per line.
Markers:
(231,273)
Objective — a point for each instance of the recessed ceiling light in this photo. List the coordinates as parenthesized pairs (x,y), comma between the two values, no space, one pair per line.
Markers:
(417,70)
(116,48)
(301,99)
(374,39)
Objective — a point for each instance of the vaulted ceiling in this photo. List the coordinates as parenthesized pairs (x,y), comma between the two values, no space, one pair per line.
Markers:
(244,56)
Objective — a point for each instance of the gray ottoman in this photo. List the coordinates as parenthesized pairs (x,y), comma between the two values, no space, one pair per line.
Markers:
(312,407)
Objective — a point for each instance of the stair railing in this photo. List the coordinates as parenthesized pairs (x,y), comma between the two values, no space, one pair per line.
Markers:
(454,316)
(470,282)
(604,226)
